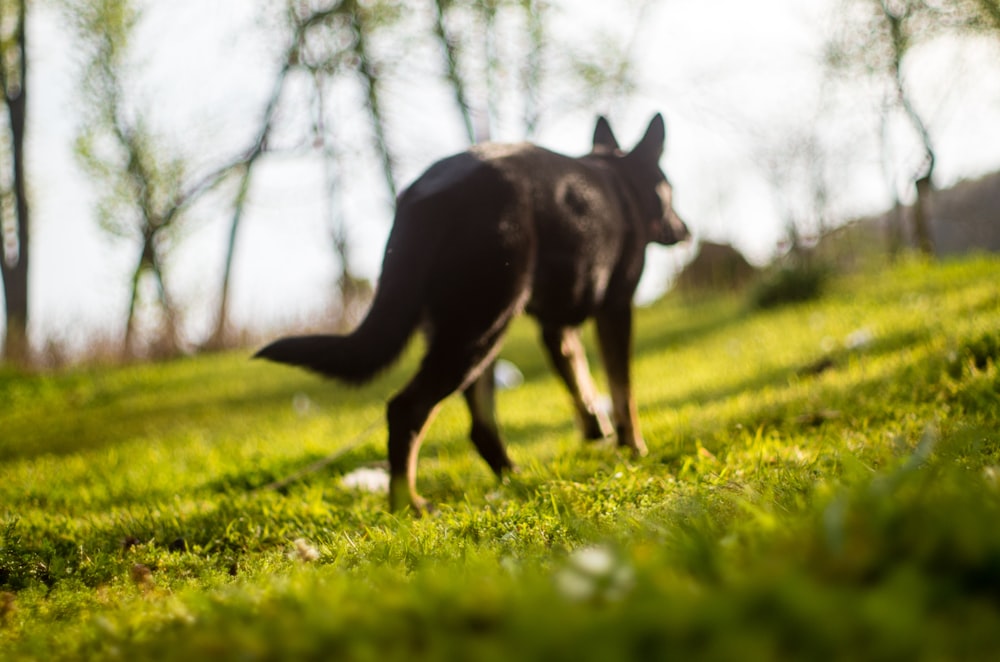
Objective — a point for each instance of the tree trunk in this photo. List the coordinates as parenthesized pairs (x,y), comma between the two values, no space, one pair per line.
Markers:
(15,346)
(921,215)
(454,73)
(921,208)
(894,230)
(128,348)
(373,100)
(534,15)
(218,338)
(166,342)
(486,130)
(15,264)
(219,334)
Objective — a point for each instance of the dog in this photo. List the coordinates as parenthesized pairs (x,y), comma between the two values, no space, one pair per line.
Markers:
(482,236)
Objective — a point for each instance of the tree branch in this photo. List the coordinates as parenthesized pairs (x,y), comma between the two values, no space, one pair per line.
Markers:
(453,71)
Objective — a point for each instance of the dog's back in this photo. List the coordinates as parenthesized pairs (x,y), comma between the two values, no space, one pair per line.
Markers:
(559,225)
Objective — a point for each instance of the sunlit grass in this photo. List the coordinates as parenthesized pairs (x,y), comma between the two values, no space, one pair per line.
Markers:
(823,481)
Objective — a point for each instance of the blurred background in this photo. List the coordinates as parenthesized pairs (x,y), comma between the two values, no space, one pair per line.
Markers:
(187,174)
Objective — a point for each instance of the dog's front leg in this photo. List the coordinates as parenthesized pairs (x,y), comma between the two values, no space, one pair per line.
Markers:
(570,362)
(614,333)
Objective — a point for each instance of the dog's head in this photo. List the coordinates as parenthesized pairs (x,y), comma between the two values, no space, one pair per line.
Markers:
(653,193)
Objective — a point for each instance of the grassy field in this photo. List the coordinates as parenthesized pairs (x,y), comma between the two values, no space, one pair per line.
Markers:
(823,483)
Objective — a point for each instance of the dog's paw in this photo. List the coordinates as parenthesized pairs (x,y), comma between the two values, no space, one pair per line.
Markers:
(597,426)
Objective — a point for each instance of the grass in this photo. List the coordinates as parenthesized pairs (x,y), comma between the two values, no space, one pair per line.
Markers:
(823,483)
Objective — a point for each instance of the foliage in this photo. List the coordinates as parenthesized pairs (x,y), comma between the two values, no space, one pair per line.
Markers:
(18,567)
(871,35)
(989,14)
(104,29)
(510,68)
(789,281)
(824,482)
(142,179)
(879,36)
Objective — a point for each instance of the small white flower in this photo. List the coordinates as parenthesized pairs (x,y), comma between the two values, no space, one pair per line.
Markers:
(595,561)
(828,344)
(511,565)
(304,551)
(992,474)
(506,375)
(859,339)
(302,404)
(367,480)
(595,573)
(574,585)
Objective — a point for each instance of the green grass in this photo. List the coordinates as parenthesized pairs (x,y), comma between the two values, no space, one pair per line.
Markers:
(823,483)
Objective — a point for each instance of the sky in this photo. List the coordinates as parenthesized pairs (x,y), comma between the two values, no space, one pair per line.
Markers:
(735,81)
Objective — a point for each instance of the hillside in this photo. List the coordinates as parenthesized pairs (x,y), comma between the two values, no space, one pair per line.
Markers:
(965,218)
(823,482)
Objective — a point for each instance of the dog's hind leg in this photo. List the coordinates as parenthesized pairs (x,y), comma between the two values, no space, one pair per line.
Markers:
(480,396)
(614,333)
(451,364)
(570,362)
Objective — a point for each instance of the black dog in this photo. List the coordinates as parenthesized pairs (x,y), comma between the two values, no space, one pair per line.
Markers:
(480,237)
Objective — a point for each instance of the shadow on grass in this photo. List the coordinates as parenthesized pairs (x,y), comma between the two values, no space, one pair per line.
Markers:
(283,476)
(782,376)
(111,419)
(664,325)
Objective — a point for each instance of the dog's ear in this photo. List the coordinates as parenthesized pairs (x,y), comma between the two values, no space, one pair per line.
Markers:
(604,139)
(650,148)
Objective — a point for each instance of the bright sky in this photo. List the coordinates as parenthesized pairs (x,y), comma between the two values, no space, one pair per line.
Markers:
(733,79)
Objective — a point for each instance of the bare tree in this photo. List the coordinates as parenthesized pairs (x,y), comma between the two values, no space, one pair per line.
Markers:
(243,170)
(336,44)
(327,43)
(877,37)
(894,220)
(354,292)
(146,185)
(798,168)
(901,35)
(499,52)
(453,73)
(14,211)
(364,21)
(117,148)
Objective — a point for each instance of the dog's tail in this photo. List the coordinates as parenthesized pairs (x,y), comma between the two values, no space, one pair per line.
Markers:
(380,338)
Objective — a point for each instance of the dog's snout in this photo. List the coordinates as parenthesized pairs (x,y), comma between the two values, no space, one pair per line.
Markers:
(680,228)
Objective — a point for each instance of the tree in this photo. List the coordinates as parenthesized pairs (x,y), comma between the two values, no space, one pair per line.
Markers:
(503,63)
(877,37)
(118,149)
(798,168)
(244,171)
(146,185)
(345,53)
(14,210)
(327,44)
